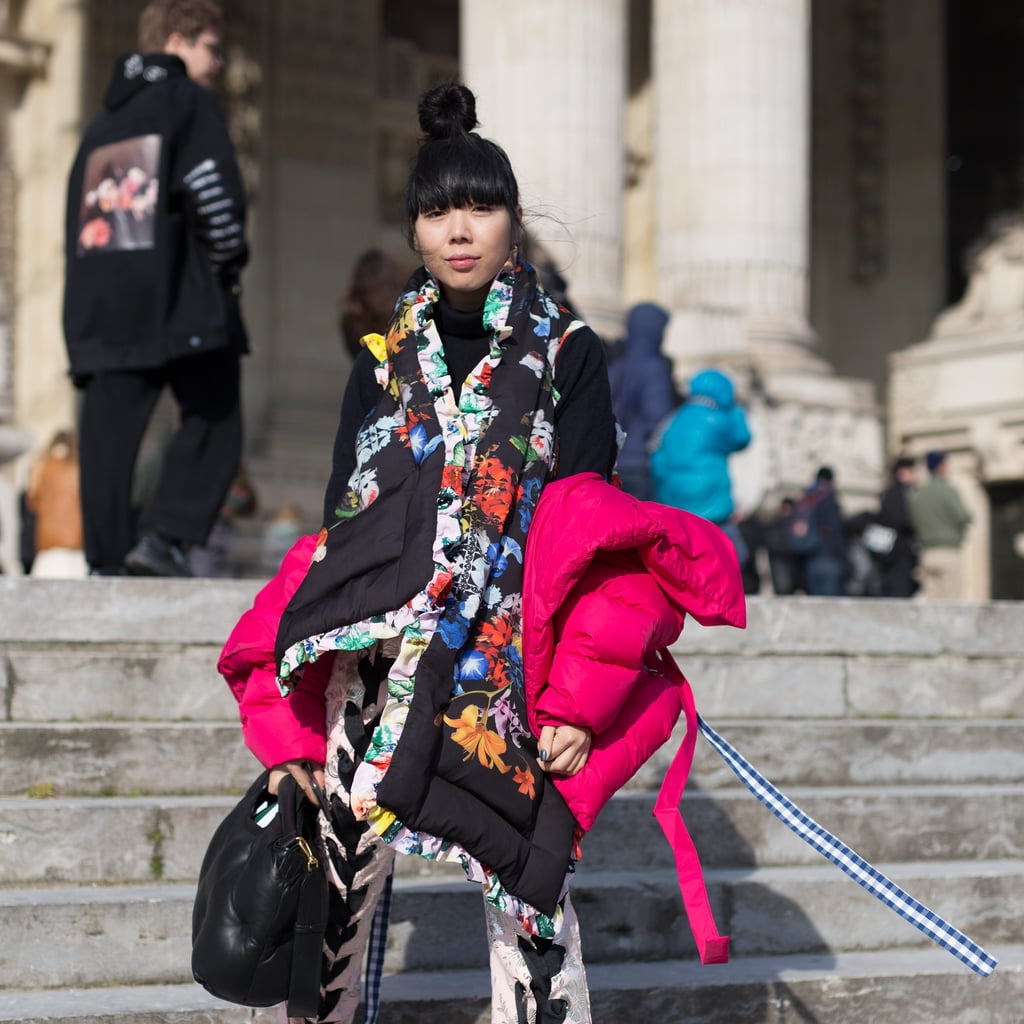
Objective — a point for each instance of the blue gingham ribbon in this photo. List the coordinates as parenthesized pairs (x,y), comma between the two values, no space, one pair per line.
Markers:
(375,951)
(820,839)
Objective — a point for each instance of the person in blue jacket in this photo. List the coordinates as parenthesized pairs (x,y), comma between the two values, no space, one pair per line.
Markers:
(643,394)
(690,465)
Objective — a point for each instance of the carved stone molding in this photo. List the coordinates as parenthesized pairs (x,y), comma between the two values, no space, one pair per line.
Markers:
(994,300)
(22,55)
(18,53)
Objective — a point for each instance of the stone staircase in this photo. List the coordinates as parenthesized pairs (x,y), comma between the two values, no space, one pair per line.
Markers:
(896,725)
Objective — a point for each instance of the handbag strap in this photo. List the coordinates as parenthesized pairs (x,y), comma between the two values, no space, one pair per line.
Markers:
(311,914)
(307,948)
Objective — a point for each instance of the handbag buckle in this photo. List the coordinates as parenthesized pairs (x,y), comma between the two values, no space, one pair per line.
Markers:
(311,862)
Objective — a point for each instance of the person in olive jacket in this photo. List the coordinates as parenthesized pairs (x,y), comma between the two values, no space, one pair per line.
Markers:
(155,244)
(941,520)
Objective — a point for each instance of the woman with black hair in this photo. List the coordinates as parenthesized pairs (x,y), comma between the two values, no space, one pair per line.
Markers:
(404,635)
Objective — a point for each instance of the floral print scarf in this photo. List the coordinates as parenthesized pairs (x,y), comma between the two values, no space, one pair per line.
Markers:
(457,682)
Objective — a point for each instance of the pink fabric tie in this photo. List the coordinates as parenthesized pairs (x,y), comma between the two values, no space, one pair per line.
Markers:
(712,947)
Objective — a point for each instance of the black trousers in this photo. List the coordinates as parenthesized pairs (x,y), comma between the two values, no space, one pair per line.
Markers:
(198,466)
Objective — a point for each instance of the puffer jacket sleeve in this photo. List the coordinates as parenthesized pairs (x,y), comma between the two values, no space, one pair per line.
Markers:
(614,616)
(274,728)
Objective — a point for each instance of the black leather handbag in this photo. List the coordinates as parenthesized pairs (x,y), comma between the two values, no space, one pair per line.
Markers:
(261,904)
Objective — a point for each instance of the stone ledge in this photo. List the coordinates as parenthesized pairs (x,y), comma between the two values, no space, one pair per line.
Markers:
(204,611)
(136,935)
(122,609)
(65,841)
(842,988)
(869,626)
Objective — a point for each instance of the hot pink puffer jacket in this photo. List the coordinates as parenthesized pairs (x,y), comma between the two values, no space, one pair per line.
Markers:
(609,580)
(607,577)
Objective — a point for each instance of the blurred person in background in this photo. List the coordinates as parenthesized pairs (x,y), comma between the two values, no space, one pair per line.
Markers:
(643,394)
(690,465)
(156,305)
(53,499)
(941,520)
(817,536)
(896,547)
(373,289)
(783,562)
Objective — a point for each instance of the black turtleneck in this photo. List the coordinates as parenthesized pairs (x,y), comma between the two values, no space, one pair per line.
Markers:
(583,415)
(465,340)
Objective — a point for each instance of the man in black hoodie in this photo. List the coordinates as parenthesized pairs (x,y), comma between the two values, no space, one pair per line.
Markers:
(155,245)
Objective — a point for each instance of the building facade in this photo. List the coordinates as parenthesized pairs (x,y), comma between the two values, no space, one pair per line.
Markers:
(775,172)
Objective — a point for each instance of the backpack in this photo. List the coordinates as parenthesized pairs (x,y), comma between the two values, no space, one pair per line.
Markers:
(802,531)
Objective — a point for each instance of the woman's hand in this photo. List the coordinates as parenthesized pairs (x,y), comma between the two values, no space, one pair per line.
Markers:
(300,771)
(564,749)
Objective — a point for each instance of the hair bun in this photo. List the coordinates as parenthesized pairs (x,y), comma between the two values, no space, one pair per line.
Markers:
(447,110)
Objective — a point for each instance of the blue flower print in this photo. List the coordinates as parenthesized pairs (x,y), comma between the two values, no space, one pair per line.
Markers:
(473,666)
(514,663)
(499,563)
(531,491)
(454,626)
(510,546)
(421,447)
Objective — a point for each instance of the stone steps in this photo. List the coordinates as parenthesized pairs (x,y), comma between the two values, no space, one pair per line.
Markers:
(134,935)
(908,986)
(162,838)
(117,757)
(895,724)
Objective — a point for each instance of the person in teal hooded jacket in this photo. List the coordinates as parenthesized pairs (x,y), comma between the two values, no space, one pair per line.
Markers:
(690,466)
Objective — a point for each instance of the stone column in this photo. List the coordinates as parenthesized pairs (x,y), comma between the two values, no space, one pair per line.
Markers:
(45,130)
(732,190)
(732,181)
(550,83)
(21,59)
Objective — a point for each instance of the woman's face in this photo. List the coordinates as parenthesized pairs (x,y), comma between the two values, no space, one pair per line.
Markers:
(464,249)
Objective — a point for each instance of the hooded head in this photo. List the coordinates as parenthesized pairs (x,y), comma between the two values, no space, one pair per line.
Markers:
(645,327)
(712,387)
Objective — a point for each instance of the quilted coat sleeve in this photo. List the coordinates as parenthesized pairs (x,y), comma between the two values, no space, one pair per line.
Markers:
(275,728)
(615,614)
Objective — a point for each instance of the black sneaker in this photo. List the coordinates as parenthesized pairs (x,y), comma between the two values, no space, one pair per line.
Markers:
(153,556)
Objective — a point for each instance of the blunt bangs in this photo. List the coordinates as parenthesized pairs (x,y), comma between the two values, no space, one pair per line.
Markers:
(458,172)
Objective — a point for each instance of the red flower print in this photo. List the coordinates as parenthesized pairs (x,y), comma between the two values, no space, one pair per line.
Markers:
(402,431)
(493,490)
(498,669)
(437,589)
(523,778)
(451,477)
(497,633)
